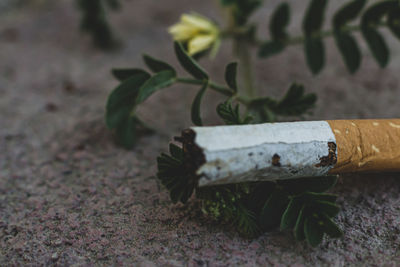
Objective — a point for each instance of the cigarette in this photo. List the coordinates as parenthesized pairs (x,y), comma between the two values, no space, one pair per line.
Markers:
(273,151)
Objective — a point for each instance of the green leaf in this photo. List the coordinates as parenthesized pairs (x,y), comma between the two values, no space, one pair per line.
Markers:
(166,162)
(231,115)
(314,17)
(228,203)
(116,116)
(159,81)
(349,50)
(394,21)
(171,173)
(369,21)
(260,193)
(176,151)
(299,227)
(313,231)
(245,220)
(273,209)
(126,132)
(279,21)
(326,207)
(243,9)
(295,102)
(270,48)
(230,75)
(156,65)
(315,54)
(188,63)
(291,214)
(374,14)
(310,197)
(330,227)
(312,184)
(261,109)
(122,100)
(95,23)
(196,117)
(177,192)
(347,13)
(123,74)
(374,39)
(377,45)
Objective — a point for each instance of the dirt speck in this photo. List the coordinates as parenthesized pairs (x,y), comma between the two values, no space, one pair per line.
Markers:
(276,160)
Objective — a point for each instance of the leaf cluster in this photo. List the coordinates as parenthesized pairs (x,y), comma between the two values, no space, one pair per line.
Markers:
(264,109)
(94,21)
(384,13)
(229,204)
(231,115)
(174,176)
(136,85)
(295,103)
(301,205)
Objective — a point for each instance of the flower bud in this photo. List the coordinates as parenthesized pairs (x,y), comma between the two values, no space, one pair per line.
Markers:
(198,32)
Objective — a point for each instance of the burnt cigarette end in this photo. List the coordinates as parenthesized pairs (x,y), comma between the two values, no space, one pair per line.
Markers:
(276,160)
(193,154)
(331,159)
(260,152)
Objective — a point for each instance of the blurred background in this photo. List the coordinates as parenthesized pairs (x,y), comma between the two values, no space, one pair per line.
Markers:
(47,61)
(68,195)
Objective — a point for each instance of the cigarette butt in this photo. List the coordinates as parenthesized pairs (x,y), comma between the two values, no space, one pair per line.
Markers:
(367,145)
(273,151)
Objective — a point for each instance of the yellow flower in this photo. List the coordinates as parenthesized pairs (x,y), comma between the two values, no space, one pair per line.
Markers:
(197,31)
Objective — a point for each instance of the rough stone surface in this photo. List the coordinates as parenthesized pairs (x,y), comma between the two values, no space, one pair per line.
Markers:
(68,196)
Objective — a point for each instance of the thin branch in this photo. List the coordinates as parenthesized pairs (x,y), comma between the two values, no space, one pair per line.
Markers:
(216,87)
(297,39)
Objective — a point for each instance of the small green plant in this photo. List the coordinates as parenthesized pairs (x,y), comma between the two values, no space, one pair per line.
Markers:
(298,204)
(379,15)
(137,85)
(302,205)
(94,21)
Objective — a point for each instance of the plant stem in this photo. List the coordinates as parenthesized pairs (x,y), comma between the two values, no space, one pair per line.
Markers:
(297,39)
(322,34)
(242,51)
(216,87)
(241,48)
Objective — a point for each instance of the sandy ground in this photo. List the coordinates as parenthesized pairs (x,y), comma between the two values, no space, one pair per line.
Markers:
(68,196)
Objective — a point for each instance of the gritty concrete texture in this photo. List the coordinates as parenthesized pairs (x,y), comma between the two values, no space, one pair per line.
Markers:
(68,196)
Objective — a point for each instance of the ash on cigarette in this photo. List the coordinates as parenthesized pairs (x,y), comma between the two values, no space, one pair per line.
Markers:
(331,159)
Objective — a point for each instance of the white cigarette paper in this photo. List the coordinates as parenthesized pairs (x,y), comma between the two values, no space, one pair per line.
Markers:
(272,151)
(268,151)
